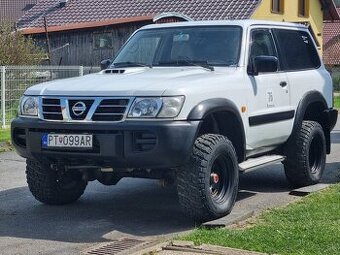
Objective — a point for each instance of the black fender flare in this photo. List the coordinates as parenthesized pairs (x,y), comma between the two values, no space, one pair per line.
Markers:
(308,99)
(214,105)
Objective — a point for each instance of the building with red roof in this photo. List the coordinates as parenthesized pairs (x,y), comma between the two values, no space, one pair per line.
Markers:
(84,32)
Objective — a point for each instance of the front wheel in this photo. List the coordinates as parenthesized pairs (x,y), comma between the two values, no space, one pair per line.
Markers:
(49,188)
(306,155)
(208,185)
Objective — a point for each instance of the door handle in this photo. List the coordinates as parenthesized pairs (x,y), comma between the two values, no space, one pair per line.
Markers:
(283,84)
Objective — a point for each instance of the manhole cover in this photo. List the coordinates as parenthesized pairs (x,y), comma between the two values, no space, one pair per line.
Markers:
(114,247)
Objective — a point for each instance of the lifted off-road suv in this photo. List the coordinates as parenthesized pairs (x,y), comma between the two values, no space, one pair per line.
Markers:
(194,103)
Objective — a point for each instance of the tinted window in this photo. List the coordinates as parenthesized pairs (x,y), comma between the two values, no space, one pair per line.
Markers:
(262,44)
(296,50)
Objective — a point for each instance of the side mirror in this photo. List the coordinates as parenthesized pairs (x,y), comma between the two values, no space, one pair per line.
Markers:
(105,64)
(263,64)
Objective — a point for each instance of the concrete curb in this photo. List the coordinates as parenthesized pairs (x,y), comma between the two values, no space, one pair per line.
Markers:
(184,247)
(155,249)
(178,247)
(304,191)
(230,219)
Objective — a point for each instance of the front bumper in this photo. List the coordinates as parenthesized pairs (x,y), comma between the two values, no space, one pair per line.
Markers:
(332,116)
(129,144)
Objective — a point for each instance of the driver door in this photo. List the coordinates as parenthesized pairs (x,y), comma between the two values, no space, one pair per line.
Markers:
(269,101)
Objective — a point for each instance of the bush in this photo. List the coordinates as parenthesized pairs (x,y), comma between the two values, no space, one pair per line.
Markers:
(16,49)
(336,83)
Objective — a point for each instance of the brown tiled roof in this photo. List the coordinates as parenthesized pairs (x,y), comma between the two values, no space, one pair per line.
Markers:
(79,12)
(12,10)
(72,26)
(331,42)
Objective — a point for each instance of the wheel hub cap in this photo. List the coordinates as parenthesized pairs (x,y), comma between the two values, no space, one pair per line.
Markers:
(215,178)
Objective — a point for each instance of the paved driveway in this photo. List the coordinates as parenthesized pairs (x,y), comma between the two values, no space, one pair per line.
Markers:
(140,208)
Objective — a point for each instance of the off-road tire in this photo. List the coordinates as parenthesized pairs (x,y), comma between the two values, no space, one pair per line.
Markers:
(306,155)
(48,188)
(194,179)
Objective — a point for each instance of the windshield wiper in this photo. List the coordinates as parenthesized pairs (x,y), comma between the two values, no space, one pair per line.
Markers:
(199,63)
(129,63)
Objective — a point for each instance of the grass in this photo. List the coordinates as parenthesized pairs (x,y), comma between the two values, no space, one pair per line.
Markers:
(310,226)
(5,135)
(337,102)
(5,140)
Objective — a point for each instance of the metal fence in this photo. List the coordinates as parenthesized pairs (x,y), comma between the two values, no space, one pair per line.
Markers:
(16,79)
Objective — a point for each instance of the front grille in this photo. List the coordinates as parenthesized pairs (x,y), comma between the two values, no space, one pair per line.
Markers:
(85,109)
(74,115)
(111,110)
(51,109)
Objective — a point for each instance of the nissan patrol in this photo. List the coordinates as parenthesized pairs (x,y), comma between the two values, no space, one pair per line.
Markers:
(194,103)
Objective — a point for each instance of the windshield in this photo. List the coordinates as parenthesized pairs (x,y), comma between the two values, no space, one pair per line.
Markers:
(179,46)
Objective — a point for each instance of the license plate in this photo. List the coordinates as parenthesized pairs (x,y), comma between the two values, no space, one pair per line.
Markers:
(67,141)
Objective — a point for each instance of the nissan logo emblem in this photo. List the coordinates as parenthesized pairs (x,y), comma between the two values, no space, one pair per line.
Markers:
(79,108)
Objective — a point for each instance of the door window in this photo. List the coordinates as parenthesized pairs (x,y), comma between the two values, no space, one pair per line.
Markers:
(297,50)
(262,44)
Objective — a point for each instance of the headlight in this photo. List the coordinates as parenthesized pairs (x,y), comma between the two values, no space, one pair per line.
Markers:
(29,106)
(164,107)
(171,107)
(145,107)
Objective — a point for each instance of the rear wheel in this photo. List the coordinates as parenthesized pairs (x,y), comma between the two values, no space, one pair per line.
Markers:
(306,155)
(50,188)
(208,184)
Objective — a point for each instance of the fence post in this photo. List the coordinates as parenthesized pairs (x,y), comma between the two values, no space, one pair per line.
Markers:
(81,71)
(3,96)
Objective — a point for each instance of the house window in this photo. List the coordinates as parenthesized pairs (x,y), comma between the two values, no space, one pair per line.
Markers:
(303,8)
(277,6)
(103,40)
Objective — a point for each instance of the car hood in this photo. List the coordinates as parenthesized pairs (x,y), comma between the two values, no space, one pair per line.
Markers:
(139,81)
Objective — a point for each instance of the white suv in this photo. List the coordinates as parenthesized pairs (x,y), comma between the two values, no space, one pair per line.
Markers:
(194,103)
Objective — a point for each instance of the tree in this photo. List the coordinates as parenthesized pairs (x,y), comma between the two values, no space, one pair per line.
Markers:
(17,49)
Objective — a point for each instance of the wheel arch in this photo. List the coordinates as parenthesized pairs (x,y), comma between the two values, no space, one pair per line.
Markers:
(313,106)
(221,116)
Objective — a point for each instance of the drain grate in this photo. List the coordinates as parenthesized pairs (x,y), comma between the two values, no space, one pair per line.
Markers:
(114,247)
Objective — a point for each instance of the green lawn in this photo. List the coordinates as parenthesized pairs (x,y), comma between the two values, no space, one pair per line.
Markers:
(5,135)
(337,102)
(5,140)
(310,226)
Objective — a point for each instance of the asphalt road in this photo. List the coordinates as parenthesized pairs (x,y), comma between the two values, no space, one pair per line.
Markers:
(140,208)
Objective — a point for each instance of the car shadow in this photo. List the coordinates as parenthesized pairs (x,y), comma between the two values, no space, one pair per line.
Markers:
(266,179)
(134,207)
(272,179)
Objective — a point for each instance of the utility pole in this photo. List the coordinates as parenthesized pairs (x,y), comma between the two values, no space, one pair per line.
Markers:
(47,42)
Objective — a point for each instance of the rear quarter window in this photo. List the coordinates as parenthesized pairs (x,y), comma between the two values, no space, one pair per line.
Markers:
(296,50)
